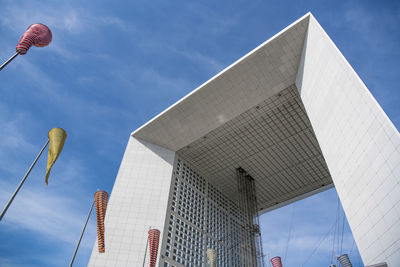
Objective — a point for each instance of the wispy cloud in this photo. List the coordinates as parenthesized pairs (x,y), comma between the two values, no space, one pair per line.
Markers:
(68,23)
(53,214)
(11,137)
(362,20)
(51,210)
(312,241)
(212,20)
(204,61)
(372,27)
(48,214)
(376,29)
(14,145)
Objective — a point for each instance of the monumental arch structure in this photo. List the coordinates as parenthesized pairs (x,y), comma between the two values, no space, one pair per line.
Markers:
(291,117)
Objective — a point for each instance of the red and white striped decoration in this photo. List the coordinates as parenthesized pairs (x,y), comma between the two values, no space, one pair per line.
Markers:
(154,240)
(37,35)
(25,43)
(101,199)
(276,262)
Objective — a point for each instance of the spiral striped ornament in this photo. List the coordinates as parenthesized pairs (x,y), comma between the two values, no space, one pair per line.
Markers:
(276,262)
(154,240)
(344,260)
(37,35)
(101,199)
(25,43)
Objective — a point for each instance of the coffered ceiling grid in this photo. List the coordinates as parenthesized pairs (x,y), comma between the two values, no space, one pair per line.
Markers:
(273,141)
(262,73)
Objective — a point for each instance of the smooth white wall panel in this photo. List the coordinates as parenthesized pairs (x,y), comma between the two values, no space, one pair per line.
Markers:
(138,201)
(360,145)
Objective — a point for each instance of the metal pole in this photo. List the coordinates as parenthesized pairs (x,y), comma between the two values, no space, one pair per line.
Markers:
(269,262)
(23,180)
(80,238)
(9,60)
(145,251)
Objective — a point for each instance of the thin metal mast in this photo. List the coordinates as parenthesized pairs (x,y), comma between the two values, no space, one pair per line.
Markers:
(23,181)
(250,236)
(80,238)
(9,60)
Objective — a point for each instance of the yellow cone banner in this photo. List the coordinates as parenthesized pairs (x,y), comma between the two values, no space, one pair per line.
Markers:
(57,138)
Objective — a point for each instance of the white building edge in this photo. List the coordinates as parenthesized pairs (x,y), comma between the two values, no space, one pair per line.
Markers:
(295,116)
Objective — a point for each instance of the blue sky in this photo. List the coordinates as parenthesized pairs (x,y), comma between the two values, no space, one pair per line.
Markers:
(113,65)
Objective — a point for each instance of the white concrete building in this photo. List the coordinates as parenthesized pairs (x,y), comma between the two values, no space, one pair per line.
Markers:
(296,117)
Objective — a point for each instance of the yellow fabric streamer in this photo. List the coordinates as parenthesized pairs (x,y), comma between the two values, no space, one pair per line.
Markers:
(57,138)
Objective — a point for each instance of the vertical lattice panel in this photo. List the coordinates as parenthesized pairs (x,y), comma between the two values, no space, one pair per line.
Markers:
(201,217)
(250,236)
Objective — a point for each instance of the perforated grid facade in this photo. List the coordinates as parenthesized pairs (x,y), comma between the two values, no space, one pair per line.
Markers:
(200,216)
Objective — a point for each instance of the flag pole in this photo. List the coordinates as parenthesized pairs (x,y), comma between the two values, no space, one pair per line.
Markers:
(80,238)
(145,251)
(269,262)
(23,180)
(9,60)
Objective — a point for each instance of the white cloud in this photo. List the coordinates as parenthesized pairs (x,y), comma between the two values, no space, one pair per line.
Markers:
(312,238)
(72,22)
(15,147)
(11,137)
(53,214)
(371,27)
(204,61)
(65,21)
(56,211)
(50,215)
